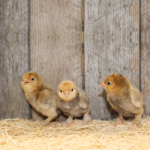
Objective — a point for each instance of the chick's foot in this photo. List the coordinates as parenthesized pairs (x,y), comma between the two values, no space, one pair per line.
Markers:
(68,122)
(137,121)
(119,121)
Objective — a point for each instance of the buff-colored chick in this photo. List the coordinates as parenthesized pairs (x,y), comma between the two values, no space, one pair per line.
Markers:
(124,98)
(41,97)
(73,102)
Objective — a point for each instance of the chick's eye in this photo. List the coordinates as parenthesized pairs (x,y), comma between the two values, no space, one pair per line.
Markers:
(108,83)
(71,89)
(32,79)
(61,91)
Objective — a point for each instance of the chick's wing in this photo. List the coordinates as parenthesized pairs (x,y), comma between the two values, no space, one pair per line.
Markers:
(47,99)
(84,100)
(124,103)
(136,97)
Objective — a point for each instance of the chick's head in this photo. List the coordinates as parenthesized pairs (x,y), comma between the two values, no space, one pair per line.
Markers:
(31,81)
(114,83)
(67,90)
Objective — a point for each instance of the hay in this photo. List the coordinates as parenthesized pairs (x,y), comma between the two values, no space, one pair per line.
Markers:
(23,134)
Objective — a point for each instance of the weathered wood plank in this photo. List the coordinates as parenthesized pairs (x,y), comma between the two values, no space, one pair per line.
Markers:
(111,45)
(13,57)
(145,54)
(56,40)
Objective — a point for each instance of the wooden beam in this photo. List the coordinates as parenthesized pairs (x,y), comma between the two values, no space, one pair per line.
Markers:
(145,54)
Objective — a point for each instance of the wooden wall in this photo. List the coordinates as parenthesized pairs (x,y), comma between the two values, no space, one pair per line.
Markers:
(116,39)
(111,45)
(56,40)
(14,57)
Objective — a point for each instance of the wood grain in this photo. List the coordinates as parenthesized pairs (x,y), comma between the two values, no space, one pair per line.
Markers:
(56,40)
(13,57)
(111,45)
(145,54)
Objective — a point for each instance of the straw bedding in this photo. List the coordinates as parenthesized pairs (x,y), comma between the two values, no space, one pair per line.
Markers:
(25,135)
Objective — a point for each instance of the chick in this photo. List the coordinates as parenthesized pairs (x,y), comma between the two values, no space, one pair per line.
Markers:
(124,98)
(40,96)
(73,102)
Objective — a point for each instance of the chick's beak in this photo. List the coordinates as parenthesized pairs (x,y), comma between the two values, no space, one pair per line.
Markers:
(26,80)
(102,85)
(66,93)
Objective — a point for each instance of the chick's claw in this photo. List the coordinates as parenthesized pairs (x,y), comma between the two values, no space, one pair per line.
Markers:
(137,123)
(86,118)
(119,121)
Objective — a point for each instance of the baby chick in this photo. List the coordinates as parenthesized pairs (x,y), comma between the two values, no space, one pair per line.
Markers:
(124,98)
(40,96)
(74,102)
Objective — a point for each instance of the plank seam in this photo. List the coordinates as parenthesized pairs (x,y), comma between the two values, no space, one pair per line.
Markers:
(29,62)
(83,61)
(140,84)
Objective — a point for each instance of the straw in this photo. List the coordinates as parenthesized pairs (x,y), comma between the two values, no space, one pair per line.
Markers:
(26,134)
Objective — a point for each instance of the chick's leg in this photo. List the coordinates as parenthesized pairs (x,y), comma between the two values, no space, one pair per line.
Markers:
(52,113)
(119,120)
(69,121)
(137,121)
(45,122)
(86,118)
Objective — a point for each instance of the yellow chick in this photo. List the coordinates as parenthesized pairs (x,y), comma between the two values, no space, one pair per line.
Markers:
(124,98)
(40,96)
(73,102)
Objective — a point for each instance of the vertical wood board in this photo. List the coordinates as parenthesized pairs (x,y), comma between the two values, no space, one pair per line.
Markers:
(13,57)
(56,40)
(145,54)
(111,46)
